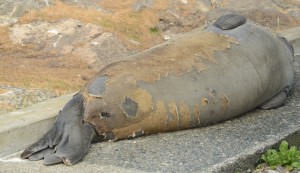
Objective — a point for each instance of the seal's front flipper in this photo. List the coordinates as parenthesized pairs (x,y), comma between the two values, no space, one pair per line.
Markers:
(276,101)
(230,21)
(68,140)
(75,144)
(40,155)
(41,147)
(51,159)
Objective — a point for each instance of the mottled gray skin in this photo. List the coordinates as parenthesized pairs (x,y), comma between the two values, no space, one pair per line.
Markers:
(255,72)
(266,81)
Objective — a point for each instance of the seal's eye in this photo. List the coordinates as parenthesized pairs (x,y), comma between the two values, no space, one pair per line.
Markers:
(104,115)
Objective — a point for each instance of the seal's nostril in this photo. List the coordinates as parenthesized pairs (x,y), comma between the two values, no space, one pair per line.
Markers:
(104,115)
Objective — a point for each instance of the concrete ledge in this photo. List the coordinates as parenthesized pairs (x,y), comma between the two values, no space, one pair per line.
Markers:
(23,127)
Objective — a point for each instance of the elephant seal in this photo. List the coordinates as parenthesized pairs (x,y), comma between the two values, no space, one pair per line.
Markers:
(202,77)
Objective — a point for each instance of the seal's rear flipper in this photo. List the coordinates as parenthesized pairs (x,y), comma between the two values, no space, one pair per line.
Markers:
(276,101)
(230,21)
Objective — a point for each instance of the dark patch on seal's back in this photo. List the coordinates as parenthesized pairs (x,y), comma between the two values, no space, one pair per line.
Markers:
(230,21)
(130,107)
(97,87)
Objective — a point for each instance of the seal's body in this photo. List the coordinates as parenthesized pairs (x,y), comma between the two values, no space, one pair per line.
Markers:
(200,78)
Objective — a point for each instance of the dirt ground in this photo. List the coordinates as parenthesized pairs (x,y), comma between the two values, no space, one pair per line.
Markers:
(54,46)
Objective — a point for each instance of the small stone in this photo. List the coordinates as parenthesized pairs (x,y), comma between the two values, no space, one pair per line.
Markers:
(271,171)
(141,4)
(185,2)
(94,43)
(6,20)
(204,5)
(167,37)
(53,31)
(135,42)
(55,64)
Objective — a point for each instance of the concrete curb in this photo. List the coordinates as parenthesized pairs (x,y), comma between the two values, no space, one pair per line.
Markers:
(25,126)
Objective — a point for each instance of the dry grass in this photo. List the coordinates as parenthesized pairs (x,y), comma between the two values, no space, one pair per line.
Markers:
(6,108)
(2,91)
(24,67)
(4,33)
(126,23)
(275,19)
(132,25)
(291,3)
(36,73)
(60,11)
(6,45)
(20,66)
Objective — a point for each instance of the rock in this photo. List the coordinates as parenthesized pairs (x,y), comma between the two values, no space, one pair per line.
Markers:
(294,12)
(265,12)
(15,98)
(109,49)
(271,171)
(87,4)
(87,43)
(204,5)
(17,8)
(180,18)
(287,3)
(142,4)
(184,2)
(7,21)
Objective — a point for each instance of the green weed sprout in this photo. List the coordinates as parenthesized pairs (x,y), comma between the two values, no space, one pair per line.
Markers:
(288,158)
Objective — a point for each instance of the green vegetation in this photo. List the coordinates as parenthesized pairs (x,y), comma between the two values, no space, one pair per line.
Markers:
(288,158)
(153,30)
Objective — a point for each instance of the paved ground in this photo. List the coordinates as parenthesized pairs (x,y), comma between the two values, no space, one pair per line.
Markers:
(225,147)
